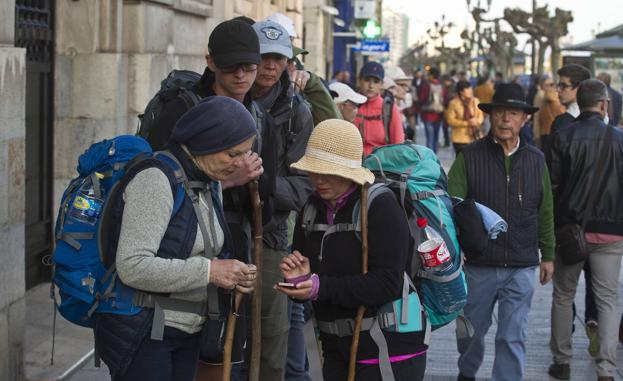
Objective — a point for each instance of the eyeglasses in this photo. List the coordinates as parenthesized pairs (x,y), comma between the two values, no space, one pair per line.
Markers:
(549,84)
(562,85)
(246,67)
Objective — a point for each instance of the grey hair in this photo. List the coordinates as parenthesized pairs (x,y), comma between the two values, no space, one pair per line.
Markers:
(590,93)
(605,77)
(544,78)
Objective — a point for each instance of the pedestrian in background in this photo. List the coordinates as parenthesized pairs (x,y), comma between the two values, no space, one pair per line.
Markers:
(464,116)
(370,118)
(616,103)
(587,168)
(510,177)
(347,100)
(431,97)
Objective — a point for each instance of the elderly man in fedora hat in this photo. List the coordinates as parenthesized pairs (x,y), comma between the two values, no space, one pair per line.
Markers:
(510,177)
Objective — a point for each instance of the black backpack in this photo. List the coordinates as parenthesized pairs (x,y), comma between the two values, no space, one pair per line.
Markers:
(177,84)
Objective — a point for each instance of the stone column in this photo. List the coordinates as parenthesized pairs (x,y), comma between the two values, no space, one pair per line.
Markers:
(12,217)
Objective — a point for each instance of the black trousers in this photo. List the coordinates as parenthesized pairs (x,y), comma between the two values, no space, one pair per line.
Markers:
(174,358)
(335,368)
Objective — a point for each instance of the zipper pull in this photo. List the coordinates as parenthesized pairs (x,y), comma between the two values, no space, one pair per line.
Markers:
(520,200)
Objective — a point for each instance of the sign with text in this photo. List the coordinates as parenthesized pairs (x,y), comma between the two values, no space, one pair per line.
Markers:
(372,46)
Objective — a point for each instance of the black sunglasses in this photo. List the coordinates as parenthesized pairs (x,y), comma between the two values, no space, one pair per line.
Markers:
(247,67)
(562,85)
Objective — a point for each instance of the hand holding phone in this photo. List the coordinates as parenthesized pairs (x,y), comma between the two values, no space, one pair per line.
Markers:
(286,285)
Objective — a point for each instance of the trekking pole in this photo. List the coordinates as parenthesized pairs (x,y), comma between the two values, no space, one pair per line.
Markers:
(256,301)
(229,336)
(352,362)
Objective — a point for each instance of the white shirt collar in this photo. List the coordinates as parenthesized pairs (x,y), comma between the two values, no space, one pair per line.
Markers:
(574,109)
(514,148)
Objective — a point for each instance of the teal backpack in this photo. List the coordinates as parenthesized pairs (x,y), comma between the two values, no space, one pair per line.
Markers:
(414,174)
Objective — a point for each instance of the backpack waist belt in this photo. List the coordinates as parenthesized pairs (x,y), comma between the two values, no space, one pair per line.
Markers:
(161,303)
(345,327)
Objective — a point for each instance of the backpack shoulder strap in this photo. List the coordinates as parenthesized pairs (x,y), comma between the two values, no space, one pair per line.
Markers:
(258,117)
(189,97)
(386,114)
(374,191)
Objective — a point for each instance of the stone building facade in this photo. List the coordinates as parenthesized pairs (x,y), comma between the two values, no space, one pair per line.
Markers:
(73,72)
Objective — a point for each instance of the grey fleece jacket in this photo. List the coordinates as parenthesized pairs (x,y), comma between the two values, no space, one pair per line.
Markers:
(148,207)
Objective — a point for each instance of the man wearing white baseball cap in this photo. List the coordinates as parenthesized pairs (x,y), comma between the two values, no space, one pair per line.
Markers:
(347,100)
(286,22)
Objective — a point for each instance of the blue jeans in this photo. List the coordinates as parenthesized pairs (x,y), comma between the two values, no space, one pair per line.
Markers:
(174,358)
(432,134)
(512,289)
(297,368)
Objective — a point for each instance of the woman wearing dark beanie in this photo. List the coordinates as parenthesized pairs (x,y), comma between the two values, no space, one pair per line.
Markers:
(184,255)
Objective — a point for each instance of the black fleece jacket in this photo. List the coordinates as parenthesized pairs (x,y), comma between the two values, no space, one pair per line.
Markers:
(343,287)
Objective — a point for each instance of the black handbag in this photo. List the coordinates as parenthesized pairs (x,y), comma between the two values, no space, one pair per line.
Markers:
(571,244)
(570,240)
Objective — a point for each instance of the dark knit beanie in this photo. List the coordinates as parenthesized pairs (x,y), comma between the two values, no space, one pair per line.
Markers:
(215,124)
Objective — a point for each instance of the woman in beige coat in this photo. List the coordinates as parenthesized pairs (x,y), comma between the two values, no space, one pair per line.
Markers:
(464,116)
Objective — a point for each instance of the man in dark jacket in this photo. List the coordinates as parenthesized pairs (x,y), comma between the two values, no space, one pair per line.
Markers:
(275,92)
(616,100)
(510,177)
(576,151)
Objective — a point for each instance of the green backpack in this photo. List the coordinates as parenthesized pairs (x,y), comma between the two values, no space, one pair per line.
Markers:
(414,174)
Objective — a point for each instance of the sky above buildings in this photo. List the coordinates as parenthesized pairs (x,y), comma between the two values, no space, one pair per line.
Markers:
(589,16)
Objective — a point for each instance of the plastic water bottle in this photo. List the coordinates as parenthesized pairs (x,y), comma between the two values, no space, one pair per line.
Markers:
(433,250)
(442,297)
(86,207)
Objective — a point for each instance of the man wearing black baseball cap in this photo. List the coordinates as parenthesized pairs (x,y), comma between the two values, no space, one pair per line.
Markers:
(232,62)
(504,173)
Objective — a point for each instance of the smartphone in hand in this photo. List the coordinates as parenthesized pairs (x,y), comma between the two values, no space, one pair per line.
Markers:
(286,285)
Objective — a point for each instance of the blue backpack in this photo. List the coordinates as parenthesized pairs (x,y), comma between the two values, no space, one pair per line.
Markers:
(416,177)
(84,271)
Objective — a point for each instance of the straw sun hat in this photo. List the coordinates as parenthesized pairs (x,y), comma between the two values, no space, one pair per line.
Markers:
(335,148)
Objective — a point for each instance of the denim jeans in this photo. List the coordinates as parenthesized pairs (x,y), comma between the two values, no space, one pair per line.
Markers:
(512,289)
(297,368)
(174,358)
(432,134)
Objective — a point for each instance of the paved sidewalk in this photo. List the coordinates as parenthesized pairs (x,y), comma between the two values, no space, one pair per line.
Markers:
(73,343)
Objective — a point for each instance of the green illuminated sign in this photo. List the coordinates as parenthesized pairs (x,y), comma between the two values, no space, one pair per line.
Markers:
(371,30)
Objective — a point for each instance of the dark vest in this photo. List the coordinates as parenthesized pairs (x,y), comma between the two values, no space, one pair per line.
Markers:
(515,196)
(117,337)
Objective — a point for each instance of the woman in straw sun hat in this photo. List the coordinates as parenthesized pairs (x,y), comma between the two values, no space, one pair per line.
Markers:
(327,268)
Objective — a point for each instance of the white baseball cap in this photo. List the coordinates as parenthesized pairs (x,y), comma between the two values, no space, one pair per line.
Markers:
(284,21)
(388,83)
(397,74)
(345,93)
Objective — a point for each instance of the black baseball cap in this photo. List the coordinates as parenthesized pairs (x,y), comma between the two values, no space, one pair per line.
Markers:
(234,42)
(372,69)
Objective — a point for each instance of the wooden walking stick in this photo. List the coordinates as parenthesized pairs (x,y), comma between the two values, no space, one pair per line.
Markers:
(352,362)
(229,336)
(256,301)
